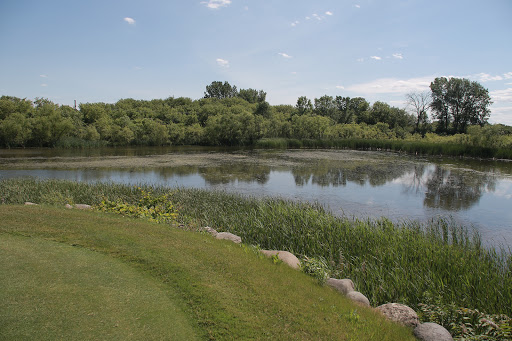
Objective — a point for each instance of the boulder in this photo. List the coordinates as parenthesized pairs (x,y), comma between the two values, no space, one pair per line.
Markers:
(400,313)
(432,332)
(68,206)
(28,203)
(356,296)
(83,207)
(210,230)
(286,257)
(344,286)
(229,236)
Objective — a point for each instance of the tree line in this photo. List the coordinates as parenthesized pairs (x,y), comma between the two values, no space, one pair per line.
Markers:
(228,116)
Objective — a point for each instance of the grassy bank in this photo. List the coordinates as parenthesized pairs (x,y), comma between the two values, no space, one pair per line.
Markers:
(412,147)
(118,271)
(389,263)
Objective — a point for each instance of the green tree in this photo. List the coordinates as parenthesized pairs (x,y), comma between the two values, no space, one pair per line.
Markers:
(15,130)
(10,105)
(220,90)
(48,124)
(325,106)
(458,103)
(303,106)
(252,95)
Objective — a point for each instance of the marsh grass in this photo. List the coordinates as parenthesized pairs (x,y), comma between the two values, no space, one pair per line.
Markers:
(388,262)
(406,146)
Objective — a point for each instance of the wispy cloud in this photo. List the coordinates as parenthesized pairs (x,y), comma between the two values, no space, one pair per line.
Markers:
(43,76)
(44,85)
(360,60)
(376,57)
(501,96)
(328,13)
(392,85)
(398,56)
(222,62)
(507,75)
(284,55)
(357,6)
(341,87)
(215,4)
(295,23)
(485,77)
(130,21)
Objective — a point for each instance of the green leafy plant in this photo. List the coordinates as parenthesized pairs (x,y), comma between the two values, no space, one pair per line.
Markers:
(157,208)
(464,323)
(316,267)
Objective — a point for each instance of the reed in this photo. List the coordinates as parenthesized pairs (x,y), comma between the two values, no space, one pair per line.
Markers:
(418,147)
(388,262)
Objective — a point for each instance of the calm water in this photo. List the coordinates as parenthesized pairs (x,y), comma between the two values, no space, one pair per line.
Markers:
(361,184)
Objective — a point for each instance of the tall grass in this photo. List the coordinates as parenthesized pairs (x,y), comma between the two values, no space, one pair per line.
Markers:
(388,262)
(406,146)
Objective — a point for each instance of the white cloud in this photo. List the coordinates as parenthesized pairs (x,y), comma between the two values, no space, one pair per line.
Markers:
(393,85)
(507,75)
(43,76)
(504,95)
(501,115)
(295,23)
(376,57)
(284,55)
(328,13)
(341,87)
(485,77)
(398,56)
(215,4)
(222,62)
(317,17)
(308,18)
(44,84)
(130,21)
(360,60)
(357,6)
(293,72)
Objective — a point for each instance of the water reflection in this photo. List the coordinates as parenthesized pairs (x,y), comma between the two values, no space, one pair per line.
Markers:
(354,183)
(454,190)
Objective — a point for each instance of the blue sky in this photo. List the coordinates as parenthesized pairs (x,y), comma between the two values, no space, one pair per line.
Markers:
(102,51)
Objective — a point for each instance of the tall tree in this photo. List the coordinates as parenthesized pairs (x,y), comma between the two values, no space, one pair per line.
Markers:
(458,103)
(304,105)
(418,104)
(325,106)
(220,90)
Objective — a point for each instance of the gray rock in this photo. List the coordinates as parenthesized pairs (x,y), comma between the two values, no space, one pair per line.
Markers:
(83,207)
(28,203)
(229,236)
(68,206)
(344,286)
(210,230)
(400,313)
(356,296)
(432,332)
(286,257)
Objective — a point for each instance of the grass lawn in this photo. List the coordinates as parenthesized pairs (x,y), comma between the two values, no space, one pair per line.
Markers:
(68,274)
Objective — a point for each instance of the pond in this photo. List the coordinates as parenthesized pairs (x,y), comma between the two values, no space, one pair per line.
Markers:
(476,193)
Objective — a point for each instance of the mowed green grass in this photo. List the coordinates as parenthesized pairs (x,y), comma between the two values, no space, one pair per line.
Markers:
(53,291)
(75,275)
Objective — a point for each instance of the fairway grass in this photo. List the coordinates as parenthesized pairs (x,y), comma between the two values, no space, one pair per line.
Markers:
(53,291)
(140,278)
